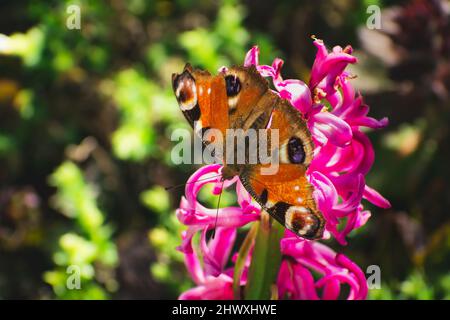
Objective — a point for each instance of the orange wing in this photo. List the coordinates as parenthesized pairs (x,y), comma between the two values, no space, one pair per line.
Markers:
(202,99)
(287,195)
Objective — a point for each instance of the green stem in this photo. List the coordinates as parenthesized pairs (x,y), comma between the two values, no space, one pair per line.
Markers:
(266,260)
(241,258)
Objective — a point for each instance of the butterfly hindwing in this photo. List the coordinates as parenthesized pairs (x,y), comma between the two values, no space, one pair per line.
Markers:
(287,195)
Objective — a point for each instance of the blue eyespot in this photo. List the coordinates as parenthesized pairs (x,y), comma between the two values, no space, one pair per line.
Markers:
(296,152)
(233,85)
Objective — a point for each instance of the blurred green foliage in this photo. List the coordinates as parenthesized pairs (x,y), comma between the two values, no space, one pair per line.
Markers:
(85,123)
(93,245)
(164,238)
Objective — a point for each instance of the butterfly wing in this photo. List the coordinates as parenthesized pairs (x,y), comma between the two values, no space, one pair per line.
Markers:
(238,98)
(202,99)
(250,101)
(287,195)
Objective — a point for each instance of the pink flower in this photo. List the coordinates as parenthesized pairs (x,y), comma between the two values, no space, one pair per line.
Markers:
(213,288)
(206,260)
(328,67)
(295,278)
(197,217)
(213,281)
(343,155)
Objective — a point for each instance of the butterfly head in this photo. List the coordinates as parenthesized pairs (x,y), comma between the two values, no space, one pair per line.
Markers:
(230,171)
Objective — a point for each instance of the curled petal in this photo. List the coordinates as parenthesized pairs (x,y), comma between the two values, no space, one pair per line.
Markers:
(213,288)
(284,281)
(303,283)
(276,66)
(204,175)
(333,269)
(359,292)
(217,252)
(362,218)
(226,217)
(373,123)
(186,236)
(353,199)
(325,194)
(296,92)
(193,213)
(331,289)
(377,199)
(356,158)
(328,66)
(252,57)
(193,265)
(325,126)
(350,189)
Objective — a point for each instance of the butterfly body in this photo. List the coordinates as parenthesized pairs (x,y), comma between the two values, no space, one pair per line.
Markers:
(239,99)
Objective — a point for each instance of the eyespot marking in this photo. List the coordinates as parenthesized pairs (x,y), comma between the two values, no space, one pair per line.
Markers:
(185,91)
(296,152)
(303,222)
(233,85)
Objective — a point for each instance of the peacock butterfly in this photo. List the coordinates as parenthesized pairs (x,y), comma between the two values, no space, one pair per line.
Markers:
(240,98)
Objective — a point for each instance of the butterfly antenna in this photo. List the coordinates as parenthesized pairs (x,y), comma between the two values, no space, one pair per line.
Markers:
(217,212)
(183,184)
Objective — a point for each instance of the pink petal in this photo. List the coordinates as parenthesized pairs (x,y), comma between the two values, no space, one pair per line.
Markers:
(373,123)
(362,219)
(193,266)
(325,126)
(331,290)
(304,283)
(217,252)
(324,193)
(377,199)
(354,200)
(362,290)
(252,57)
(296,92)
(328,66)
(214,288)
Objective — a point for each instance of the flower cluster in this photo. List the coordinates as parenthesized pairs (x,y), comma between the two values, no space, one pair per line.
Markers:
(343,155)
